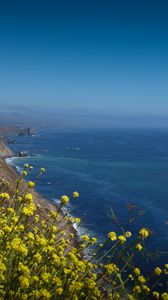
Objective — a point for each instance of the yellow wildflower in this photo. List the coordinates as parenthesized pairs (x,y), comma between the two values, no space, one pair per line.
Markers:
(156,295)
(130,277)
(145,289)
(137,271)
(24,173)
(5,196)
(26,165)
(59,290)
(64,200)
(44,294)
(38,257)
(137,289)
(139,247)
(157,271)
(77,220)
(122,239)
(29,210)
(31,184)
(24,282)
(110,268)
(45,276)
(93,240)
(116,296)
(128,234)
(112,236)
(164,296)
(75,194)
(144,233)
(141,279)
(24,269)
(130,297)
(85,237)
(28,197)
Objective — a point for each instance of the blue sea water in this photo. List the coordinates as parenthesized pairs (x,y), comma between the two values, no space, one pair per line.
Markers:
(111,169)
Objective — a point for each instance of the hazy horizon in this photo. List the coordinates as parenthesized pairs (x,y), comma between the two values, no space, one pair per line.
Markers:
(41,117)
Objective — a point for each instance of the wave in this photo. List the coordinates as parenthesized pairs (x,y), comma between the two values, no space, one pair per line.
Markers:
(11,160)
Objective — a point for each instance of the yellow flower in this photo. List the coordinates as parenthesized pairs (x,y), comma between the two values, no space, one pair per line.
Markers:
(157,271)
(29,210)
(164,296)
(144,233)
(116,296)
(11,210)
(24,282)
(130,297)
(85,237)
(24,173)
(36,218)
(93,240)
(21,227)
(128,234)
(156,295)
(75,194)
(7,229)
(31,168)
(38,257)
(110,268)
(26,165)
(30,235)
(31,184)
(45,276)
(34,279)
(141,279)
(19,198)
(59,291)
(122,239)
(24,269)
(64,200)
(41,241)
(130,277)
(28,197)
(45,294)
(139,247)
(5,196)
(53,228)
(35,294)
(91,283)
(42,170)
(137,289)
(137,271)
(112,236)
(77,220)
(146,289)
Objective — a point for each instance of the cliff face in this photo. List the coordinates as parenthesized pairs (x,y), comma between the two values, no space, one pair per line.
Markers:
(8,174)
(8,131)
(5,151)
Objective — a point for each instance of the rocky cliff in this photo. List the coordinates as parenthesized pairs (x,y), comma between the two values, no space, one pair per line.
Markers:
(4,150)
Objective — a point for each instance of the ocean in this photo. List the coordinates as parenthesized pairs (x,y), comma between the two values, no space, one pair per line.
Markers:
(125,170)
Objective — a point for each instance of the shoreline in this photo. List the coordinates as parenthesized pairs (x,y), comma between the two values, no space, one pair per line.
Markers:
(8,172)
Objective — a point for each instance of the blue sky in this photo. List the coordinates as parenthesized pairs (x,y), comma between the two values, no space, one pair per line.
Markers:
(89,56)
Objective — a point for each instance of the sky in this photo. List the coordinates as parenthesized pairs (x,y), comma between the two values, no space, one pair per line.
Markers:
(105,57)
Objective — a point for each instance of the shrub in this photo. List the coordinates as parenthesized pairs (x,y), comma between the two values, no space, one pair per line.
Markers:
(40,258)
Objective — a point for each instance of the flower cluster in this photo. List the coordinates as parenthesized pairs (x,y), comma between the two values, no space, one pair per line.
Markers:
(41,259)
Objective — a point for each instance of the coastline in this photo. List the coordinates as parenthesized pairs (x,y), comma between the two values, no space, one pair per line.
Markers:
(8,172)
